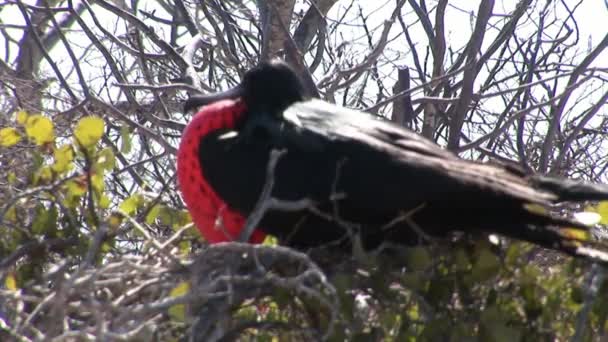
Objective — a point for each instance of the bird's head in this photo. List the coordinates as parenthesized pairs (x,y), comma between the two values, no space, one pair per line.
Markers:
(270,87)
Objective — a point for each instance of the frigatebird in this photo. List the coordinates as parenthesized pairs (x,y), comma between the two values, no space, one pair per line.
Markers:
(364,178)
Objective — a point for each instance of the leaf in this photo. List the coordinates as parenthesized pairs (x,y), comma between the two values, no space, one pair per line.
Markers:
(485,266)
(43,175)
(461,260)
(270,241)
(63,156)
(22,117)
(9,136)
(106,159)
(104,201)
(40,129)
(418,258)
(45,222)
(97,182)
(185,247)
(10,282)
(11,214)
(125,140)
(493,327)
(178,312)
(89,130)
(77,187)
(114,221)
(131,203)
(153,213)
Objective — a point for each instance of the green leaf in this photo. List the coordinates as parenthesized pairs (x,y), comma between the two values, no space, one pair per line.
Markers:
(97,182)
(185,247)
(486,265)
(493,327)
(104,201)
(125,140)
(45,222)
(114,220)
(106,159)
(40,129)
(577,295)
(9,136)
(43,175)
(89,130)
(11,178)
(418,258)
(11,214)
(414,281)
(270,241)
(153,213)
(461,260)
(76,187)
(131,204)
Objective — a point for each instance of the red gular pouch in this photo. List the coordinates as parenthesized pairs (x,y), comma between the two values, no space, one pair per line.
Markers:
(213,218)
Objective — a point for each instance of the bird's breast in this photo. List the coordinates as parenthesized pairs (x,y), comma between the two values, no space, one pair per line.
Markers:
(212,216)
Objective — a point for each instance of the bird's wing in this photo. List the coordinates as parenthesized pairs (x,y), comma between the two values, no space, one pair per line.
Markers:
(410,167)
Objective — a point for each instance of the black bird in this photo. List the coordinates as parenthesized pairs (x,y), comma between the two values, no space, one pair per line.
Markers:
(363,176)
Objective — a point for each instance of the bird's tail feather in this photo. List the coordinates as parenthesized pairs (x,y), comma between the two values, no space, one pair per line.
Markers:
(570,190)
(561,234)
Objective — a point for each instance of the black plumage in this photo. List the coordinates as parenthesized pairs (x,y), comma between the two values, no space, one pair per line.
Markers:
(371,179)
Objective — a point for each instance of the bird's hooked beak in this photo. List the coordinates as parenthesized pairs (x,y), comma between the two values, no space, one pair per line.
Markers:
(196,101)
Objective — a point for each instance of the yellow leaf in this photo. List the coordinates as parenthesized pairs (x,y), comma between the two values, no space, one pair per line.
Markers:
(178,312)
(63,158)
(22,117)
(89,130)
(9,136)
(40,129)
(10,282)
